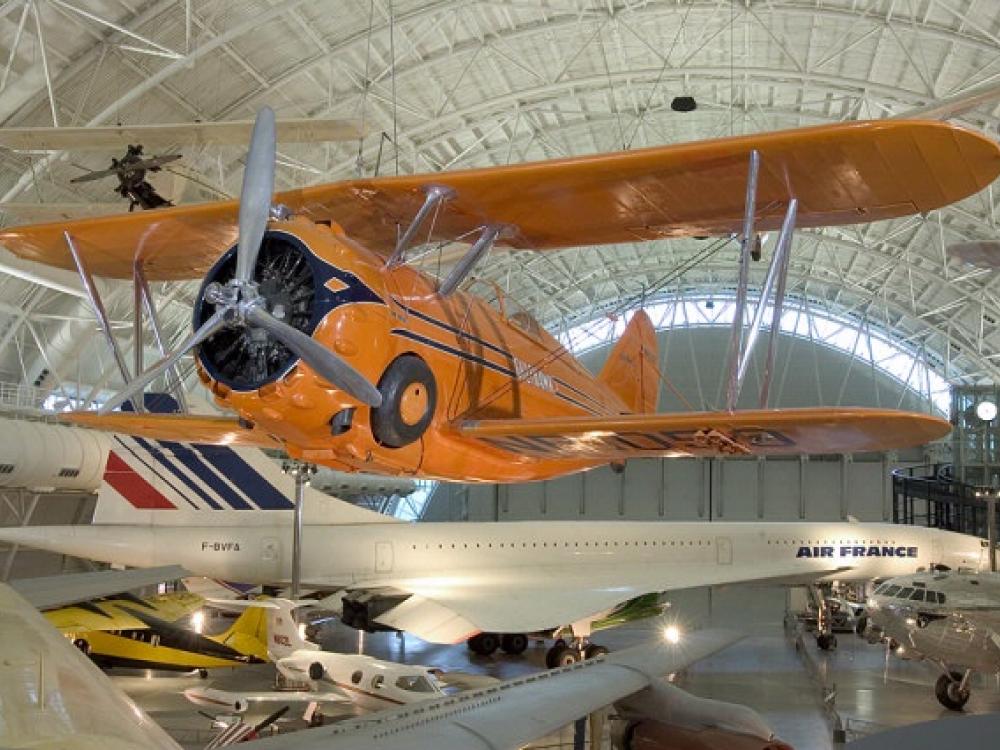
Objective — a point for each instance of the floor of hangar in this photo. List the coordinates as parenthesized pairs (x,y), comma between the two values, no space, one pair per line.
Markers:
(763,671)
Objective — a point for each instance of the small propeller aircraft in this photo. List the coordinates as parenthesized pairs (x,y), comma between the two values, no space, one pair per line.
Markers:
(314,329)
(131,172)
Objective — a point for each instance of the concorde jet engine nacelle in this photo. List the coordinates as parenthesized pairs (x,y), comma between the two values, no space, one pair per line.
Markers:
(664,717)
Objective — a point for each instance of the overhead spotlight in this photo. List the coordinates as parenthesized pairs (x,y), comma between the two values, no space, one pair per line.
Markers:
(672,634)
(986,411)
(683,104)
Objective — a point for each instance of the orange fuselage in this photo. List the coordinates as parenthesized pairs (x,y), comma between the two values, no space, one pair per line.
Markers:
(485,363)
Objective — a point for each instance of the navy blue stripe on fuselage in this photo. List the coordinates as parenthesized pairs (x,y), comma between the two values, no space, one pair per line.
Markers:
(175,470)
(600,406)
(153,471)
(250,481)
(454,351)
(480,361)
(455,330)
(200,469)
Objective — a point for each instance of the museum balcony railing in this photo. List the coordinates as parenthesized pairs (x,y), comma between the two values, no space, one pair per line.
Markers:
(929,495)
(20,397)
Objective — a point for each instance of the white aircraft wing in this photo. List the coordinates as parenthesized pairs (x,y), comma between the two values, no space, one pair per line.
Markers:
(449,607)
(513,713)
(52,696)
(58,591)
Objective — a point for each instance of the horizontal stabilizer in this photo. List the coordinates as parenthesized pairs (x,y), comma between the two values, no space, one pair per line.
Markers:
(176,427)
(843,173)
(684,434)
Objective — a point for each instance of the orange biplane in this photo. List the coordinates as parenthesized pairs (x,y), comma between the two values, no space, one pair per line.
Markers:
(312,328)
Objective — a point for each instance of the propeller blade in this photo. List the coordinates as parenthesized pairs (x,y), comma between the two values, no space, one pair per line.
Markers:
(258,188)
(137,385)
(326,364)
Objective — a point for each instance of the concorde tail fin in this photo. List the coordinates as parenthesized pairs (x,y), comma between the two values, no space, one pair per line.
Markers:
(166,483)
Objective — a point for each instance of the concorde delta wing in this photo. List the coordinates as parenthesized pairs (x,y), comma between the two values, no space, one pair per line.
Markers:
(515,712)
(448,608)
(52,696)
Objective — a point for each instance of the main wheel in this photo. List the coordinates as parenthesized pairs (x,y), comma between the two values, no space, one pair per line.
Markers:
(514,643)
(561,656)
(83,645)
(827,641)
(593,650)
(409,396)
(949,692)
(484,644)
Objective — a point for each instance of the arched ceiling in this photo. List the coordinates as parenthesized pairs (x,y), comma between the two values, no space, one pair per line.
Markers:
(455,84)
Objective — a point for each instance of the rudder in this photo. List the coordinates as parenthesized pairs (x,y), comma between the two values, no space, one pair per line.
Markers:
(631,368)
(248,634)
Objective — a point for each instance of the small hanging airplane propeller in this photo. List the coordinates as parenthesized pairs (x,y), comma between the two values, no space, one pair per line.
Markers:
(239,304)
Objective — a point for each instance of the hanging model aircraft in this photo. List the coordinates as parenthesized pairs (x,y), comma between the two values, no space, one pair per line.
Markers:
(315,331)
(488,583)
(53,697)
(951,619)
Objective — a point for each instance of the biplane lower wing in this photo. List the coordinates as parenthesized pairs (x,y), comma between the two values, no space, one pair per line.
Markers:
(845,173)
(177,427)
(685,434)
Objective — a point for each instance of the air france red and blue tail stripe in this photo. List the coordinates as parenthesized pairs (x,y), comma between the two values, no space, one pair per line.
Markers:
(163,475)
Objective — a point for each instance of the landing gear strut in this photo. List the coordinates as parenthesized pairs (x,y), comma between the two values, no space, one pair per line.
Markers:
(952,689)
(825,639)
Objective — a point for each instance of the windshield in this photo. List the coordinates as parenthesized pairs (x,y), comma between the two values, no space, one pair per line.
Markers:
(415,684)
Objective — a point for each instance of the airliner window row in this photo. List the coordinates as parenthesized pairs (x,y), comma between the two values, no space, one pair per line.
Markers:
(865,542)
(525,545)
(910,593)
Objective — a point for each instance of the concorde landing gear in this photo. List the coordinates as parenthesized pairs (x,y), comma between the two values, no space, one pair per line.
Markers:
(952,689)
(484,644)
(825,639)
(563,654)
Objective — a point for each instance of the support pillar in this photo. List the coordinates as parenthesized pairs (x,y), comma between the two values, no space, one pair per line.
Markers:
(301,473)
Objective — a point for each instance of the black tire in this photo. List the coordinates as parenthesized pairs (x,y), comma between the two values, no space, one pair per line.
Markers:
(83,645)
(316,671)
(514,643)
(564,656)
(948,693)
(861,626)
(203,674)
(827,641)
(553,654)
(593,650)
(406,378)
(484,644)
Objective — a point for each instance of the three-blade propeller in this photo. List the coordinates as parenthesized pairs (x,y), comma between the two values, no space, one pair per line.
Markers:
(238,303)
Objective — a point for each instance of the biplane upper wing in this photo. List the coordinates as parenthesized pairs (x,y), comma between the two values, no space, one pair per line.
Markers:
(684,434)
(842,174)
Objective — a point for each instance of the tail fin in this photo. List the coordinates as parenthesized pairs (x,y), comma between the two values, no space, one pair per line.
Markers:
(284,633)
(248,634)
(631,368)
(174,484)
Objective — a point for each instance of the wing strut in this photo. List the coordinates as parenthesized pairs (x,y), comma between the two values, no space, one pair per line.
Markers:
(740,348)
(472,256)
(102,316)
(435,196)
(736,333)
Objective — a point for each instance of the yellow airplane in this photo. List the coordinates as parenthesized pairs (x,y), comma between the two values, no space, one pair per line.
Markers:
(126,631)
